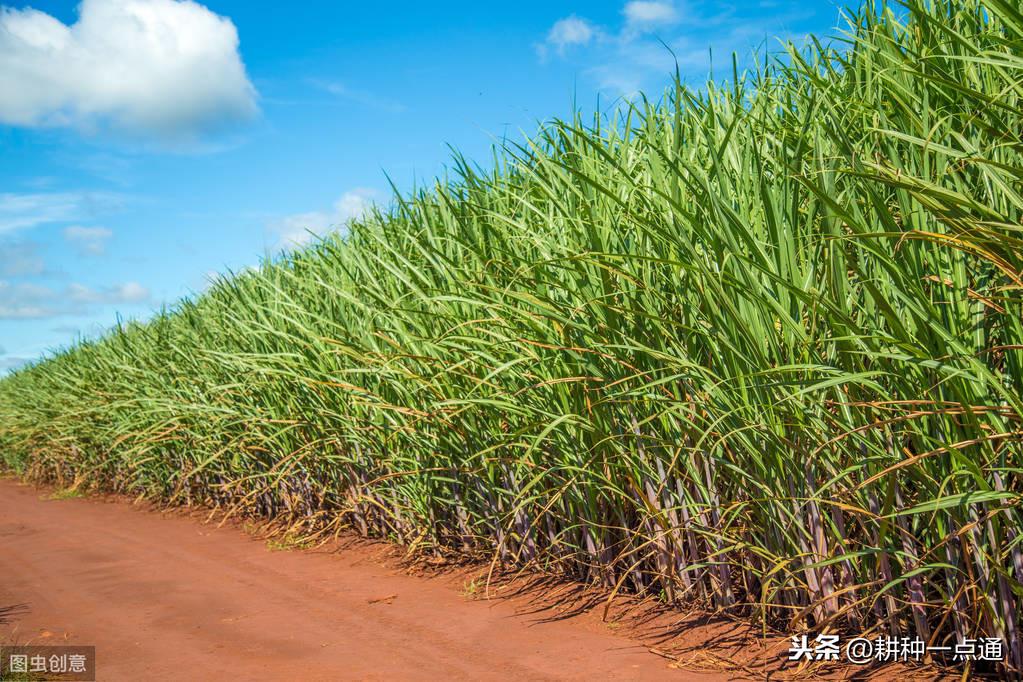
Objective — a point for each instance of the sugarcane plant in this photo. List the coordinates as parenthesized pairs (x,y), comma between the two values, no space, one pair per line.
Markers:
(756,346)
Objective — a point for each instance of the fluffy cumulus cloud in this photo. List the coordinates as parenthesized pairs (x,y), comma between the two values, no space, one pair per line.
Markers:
(302,228)
(164,68)
(89,241)
(27,301)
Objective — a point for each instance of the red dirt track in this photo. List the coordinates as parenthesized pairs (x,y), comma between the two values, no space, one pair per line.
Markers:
(163,597)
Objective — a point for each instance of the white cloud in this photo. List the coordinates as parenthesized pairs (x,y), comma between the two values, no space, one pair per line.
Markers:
(34,301)
(90,241)
(129,292)
(621,80)
(641,16)
(649,14)
(24,301)
(567,32)
(25,211)
(302,228)
(163,68)
(357,96)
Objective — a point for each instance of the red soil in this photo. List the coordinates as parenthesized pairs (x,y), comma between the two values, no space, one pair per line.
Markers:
(163,597)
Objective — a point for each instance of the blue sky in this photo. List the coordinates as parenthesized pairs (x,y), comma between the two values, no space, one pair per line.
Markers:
(146,144)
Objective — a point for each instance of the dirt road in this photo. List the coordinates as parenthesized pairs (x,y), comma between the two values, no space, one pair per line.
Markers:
(165,597)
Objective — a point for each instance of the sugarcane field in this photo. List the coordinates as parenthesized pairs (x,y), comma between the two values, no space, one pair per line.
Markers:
(637,340)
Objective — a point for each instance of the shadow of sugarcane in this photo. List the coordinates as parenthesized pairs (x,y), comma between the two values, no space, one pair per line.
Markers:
(9,613)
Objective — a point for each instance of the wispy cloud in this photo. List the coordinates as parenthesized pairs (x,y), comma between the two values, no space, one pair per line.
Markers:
(80,330)
(129,292)
(10,362)
(301,228)
(20,259)
(644,15)
(89,241)
(362,97)
(25,211)
(34,301)
(167,69)
(655,35)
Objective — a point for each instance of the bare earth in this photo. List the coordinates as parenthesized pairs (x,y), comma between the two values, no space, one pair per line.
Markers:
(166,597)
